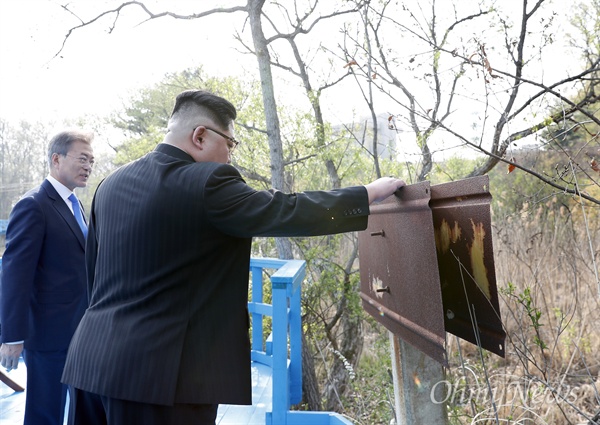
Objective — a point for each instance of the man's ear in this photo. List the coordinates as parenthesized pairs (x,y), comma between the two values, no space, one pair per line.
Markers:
(55,158)
(197,138)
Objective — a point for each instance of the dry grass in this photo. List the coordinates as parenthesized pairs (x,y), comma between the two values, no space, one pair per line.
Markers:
(550,304)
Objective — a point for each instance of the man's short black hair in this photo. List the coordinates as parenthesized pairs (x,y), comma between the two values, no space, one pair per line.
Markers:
(218,109)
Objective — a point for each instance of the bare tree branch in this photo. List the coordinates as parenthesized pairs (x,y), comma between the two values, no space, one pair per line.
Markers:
(117,12)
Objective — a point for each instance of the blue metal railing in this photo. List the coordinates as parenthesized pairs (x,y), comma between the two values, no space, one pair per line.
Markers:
(282,350)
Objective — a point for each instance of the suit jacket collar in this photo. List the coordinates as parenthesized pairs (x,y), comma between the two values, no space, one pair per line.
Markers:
(51,191)
(61,207)
(173,151)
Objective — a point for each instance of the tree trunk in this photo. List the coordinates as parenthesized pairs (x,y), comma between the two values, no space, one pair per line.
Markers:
(348,356)
(343,367)
(311,394)
(284,247)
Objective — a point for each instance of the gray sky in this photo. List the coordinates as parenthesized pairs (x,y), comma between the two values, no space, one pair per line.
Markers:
(96,69)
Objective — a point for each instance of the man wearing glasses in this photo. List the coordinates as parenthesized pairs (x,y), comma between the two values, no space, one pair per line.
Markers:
(165,338)
(43,290)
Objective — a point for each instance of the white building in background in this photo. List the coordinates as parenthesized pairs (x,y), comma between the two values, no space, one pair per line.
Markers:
(362,132)
(393,143)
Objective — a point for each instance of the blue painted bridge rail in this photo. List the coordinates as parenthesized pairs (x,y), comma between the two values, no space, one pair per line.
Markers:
(282,349)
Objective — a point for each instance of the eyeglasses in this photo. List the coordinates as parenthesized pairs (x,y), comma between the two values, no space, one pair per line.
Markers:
(231,139)
(82,160)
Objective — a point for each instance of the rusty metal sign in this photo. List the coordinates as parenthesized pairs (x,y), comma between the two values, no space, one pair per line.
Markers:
(400,283)
(465,256)
(427,267)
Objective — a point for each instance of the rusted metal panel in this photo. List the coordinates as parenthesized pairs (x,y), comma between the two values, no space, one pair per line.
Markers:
(427,266)
(465,257)
(400,284)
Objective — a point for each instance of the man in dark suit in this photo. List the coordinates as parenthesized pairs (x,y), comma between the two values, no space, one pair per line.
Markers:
(165,338)
(43,277)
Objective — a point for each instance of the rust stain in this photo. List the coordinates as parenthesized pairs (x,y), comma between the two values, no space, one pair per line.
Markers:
(446,235)
(476,253)
(456,233)
(417,380)
(376,284)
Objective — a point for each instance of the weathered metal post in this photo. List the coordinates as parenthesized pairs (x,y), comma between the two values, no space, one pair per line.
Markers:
(418,396)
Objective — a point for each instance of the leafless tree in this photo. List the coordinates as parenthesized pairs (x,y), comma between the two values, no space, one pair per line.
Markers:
(473,74)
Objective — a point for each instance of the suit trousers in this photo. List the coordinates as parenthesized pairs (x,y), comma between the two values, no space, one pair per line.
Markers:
(45,395)
(87,408)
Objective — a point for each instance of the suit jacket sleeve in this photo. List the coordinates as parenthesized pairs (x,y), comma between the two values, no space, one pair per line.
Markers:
(238,210)
(24,236)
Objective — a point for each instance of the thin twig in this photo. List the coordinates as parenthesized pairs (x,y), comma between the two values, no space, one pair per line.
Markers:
(587,227)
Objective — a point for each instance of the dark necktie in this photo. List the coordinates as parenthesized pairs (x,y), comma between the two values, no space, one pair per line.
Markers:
(77,214)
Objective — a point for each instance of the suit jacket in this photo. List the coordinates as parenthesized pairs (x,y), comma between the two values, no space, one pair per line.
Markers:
(168,258)
(43,272)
